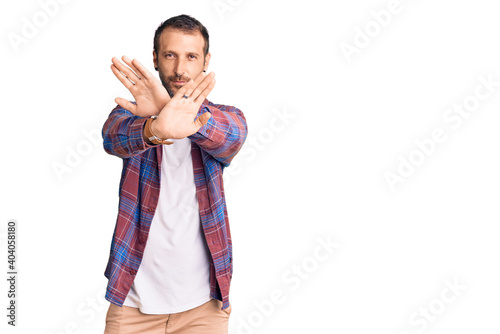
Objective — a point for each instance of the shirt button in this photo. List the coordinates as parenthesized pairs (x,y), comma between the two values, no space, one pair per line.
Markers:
(133,272)
(151,210)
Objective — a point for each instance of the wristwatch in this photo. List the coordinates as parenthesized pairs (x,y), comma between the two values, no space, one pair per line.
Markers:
(151,136)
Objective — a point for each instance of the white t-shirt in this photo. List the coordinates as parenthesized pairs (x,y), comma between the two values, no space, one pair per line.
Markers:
(174,275)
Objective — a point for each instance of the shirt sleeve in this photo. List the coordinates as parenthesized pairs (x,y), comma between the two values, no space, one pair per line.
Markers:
(224,134)
(122,134)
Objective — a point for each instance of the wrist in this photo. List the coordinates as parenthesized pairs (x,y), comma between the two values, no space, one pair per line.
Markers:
(152,135)
(145,135)
(157,130)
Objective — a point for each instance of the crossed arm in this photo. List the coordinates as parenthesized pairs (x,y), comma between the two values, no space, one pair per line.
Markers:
(218,130)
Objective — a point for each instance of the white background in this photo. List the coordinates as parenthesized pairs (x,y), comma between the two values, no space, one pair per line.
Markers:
(317,173)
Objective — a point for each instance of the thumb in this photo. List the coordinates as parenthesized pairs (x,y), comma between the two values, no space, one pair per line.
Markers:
(202,119)
(125,104)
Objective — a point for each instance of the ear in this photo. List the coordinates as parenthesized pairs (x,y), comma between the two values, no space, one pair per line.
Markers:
(155,60)
(207,60)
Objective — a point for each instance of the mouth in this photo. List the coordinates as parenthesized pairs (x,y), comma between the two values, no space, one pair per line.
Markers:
(178,83)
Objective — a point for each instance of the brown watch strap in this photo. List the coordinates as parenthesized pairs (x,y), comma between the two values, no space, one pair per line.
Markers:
(148,133)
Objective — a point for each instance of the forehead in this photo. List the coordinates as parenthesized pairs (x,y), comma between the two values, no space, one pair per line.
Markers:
(180,41)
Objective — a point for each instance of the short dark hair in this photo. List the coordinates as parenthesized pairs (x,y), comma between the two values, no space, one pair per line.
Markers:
(184,23)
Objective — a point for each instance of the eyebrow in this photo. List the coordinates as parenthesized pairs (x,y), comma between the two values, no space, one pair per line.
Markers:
(188,53)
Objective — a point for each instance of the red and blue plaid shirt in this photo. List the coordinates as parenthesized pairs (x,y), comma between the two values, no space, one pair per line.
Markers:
(212,149)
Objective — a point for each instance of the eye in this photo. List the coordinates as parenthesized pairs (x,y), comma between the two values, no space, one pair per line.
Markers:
(169,55)
(192,57)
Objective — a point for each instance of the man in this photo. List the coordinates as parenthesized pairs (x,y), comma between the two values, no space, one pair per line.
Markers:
(170,263)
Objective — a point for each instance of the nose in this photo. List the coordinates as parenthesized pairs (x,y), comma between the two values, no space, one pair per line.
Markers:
(180,68)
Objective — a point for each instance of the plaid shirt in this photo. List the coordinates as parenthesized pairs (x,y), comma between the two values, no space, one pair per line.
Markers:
(212,149)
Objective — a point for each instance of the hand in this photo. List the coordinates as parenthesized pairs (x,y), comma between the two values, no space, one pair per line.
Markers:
(177,119)
(150,95)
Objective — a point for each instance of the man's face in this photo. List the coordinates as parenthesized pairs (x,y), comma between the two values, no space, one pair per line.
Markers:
(180,58)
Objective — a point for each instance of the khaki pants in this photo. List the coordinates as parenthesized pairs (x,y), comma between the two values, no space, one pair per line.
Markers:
(207,318)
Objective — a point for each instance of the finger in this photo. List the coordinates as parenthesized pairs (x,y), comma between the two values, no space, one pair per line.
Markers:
(197,81)
(124,80)
(142,70)
(139,69)
(132,75)
(128,61)
(202,120)
(202,85)
(203,95)
(125,104)
(125,70)
(183,90)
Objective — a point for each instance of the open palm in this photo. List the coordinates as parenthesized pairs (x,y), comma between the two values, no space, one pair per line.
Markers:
(178,118)
(149,94)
